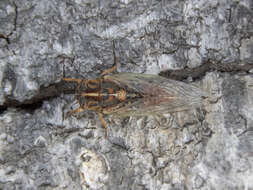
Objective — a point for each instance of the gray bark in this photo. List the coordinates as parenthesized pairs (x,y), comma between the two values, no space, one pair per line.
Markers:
(42,41)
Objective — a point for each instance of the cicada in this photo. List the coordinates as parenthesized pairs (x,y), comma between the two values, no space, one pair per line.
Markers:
(133,94)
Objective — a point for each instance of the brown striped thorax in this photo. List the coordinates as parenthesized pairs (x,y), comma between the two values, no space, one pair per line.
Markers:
(102,95)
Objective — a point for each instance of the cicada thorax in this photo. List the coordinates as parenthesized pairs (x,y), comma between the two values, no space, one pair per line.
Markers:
(104,96)
(88,94)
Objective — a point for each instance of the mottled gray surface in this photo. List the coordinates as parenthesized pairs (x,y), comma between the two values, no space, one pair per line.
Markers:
(41,40)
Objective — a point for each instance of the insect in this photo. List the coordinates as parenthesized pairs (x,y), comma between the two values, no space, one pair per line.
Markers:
(133,94)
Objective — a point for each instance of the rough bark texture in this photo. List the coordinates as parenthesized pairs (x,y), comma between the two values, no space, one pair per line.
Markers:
(43,40)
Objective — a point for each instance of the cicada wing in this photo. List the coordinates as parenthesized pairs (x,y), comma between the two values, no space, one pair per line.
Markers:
(138,109)
(160,95)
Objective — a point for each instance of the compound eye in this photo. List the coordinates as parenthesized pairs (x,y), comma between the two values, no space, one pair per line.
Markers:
(92,84)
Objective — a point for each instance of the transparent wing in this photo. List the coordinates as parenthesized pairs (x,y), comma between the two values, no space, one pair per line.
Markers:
(160,95)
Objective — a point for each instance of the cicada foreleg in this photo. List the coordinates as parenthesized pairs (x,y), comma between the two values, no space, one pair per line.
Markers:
(92,83)
(78,110)
(104,123)
(102,119)
(73,80)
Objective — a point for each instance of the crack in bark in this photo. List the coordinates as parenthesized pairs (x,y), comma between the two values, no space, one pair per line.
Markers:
(199,72)
(6,38)
(44,93)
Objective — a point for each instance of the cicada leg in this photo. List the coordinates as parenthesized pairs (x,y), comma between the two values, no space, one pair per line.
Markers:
(110,70)
(92,83)
(104,123)
(114,67)
(73,80)
(78,110)
(101,117)
(93,106)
